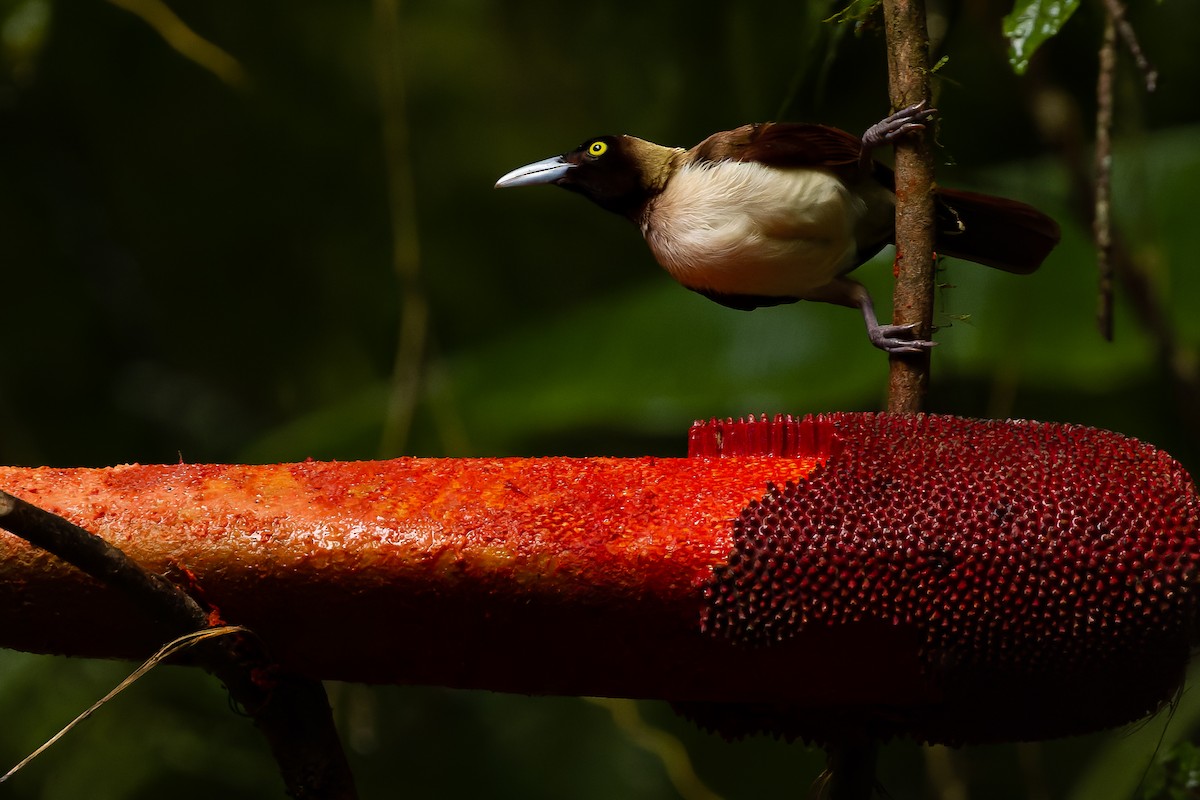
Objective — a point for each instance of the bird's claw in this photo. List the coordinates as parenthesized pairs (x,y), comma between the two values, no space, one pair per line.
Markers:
(894,339)
(904,121)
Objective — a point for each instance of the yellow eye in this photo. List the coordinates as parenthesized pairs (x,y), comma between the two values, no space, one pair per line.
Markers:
(596,149)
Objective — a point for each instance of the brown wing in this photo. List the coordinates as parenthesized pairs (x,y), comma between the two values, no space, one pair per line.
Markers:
(786,145)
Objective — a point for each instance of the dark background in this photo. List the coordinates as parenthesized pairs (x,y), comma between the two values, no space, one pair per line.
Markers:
(204,268)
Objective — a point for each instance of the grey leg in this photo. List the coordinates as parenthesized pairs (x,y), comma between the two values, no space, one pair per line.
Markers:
(889,338)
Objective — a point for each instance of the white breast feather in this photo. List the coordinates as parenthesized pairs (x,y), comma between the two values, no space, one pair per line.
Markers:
(743,228)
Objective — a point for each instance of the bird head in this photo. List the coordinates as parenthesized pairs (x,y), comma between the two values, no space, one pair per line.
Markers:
(617,173)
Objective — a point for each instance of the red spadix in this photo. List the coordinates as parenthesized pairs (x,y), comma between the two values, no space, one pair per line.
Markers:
(843,575)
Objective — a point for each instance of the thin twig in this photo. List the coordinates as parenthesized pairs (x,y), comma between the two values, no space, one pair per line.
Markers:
(1116,16)
(189,44)
(291,711)
(908,71)
(1115,24)
(165,652)
(1138,286)
(1102,220)
(413,332)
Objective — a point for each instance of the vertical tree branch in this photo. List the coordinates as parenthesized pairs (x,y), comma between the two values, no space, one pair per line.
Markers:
(1101,221)
(908,71)
(1115,24)
(852,763)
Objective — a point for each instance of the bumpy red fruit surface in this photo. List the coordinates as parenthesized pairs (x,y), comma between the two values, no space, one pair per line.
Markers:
(841,576)
(1044,573)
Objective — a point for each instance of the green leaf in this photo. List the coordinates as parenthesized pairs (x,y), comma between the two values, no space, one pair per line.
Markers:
(1032,22)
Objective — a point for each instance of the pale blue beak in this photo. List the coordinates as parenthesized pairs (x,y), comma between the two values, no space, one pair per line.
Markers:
(548,170)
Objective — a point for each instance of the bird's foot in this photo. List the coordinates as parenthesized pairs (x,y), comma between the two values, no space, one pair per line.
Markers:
(898,339)
(903,122)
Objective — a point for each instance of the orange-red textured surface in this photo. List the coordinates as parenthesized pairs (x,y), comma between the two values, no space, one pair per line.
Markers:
(952,580)
(537,575)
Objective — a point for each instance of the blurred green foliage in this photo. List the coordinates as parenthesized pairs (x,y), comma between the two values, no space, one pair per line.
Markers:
(198,270)
(1030,24)
(1175,776)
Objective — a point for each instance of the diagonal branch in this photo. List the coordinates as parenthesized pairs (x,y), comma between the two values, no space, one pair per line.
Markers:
(291,711)
(102,561)
(176,33)
(1117,18)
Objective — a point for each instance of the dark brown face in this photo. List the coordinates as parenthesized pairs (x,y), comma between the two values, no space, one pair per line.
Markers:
(605,172)
(605,169)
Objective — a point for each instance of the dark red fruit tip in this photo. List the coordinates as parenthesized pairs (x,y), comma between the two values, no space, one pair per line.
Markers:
(1040,578)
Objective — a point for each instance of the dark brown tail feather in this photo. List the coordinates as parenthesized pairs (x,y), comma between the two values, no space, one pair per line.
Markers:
(993,231)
